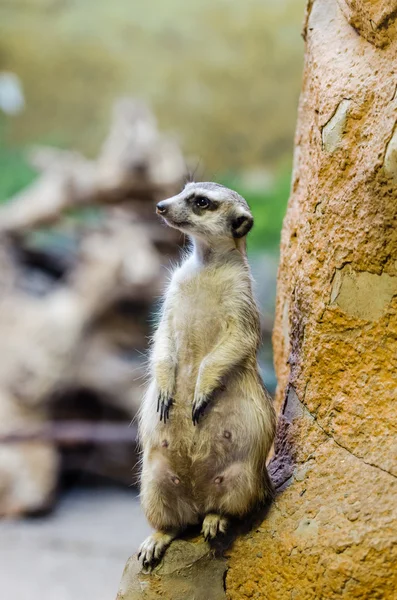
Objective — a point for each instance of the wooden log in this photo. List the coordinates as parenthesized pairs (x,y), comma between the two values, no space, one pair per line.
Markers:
(73,433)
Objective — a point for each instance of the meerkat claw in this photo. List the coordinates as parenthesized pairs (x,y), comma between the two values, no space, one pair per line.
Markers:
(153,548)
(164,404)
(199,406)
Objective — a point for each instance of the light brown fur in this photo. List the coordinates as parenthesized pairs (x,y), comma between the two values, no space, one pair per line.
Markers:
(204,350)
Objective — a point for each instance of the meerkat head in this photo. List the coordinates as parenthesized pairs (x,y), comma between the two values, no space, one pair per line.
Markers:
(207,211)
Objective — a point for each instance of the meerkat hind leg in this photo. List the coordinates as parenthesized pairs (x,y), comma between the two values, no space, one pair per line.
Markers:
(213,524)
(153,548)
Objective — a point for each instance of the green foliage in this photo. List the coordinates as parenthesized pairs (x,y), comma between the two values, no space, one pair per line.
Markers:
(15,172)
(268,208)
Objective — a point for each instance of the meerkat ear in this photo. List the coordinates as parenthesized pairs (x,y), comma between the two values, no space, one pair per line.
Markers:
(242,223)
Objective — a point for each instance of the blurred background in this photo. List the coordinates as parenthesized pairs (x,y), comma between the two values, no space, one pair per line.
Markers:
(105,109)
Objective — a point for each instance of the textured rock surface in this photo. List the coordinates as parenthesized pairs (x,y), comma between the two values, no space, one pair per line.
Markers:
(373,19)
(332,531)
(190,571)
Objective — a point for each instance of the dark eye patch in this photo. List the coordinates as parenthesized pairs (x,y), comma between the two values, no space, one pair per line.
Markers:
(200,204)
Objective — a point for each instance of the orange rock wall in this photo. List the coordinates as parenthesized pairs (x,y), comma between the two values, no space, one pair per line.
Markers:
(332,532)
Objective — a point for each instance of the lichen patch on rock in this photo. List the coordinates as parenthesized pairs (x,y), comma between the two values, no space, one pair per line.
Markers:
(362,295)
(333,130)
(390,163)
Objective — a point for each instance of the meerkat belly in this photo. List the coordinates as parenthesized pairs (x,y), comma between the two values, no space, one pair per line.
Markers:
(205,460)
(217,464)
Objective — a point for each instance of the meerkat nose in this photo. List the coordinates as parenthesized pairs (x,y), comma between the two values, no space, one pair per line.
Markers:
(161,208)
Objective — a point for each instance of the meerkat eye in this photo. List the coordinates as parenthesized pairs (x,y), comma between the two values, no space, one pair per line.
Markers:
(202,202)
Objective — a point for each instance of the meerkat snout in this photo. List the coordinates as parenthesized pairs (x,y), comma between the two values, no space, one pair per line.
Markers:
(161,208)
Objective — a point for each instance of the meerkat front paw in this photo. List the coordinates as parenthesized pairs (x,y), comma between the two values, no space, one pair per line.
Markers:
(213,525)
(200,403)
(153,548)
(164,403)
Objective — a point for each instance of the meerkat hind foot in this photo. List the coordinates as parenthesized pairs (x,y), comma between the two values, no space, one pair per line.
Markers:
(213,525)
(152,549)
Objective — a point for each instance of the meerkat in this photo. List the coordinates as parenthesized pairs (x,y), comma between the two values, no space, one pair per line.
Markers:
(207,422)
